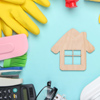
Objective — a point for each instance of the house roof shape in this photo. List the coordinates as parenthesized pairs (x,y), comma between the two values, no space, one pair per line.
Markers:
(73,40)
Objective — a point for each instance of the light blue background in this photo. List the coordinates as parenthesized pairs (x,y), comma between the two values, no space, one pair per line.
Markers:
(43,65)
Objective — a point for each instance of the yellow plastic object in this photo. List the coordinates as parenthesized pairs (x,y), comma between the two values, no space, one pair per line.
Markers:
(0,29)
(14,16)
(94,0)
(44,3)
(99,18)
(6,29)
(30,7)
(18,14)
(15,1)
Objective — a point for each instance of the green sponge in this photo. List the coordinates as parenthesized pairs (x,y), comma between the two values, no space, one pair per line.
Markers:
(16,62)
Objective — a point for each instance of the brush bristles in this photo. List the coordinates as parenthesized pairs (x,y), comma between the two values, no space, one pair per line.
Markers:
(17,61)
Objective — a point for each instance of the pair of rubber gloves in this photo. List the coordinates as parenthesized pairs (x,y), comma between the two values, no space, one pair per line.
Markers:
(13,16)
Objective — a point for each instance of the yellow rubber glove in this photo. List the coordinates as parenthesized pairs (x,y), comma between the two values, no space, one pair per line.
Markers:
(14,1)
(30,7)
(17,19)
(3,27)
(0,29)
(6,29)
(44,3)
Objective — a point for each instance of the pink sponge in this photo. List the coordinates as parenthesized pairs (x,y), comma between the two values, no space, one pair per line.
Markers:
(13,46)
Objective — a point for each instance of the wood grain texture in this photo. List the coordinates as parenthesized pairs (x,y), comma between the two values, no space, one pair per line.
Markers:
(73,40)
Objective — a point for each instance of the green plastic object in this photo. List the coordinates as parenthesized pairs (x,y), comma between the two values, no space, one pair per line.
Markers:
(16,62)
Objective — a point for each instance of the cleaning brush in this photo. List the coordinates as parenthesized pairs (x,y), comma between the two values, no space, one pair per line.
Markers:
(16,62)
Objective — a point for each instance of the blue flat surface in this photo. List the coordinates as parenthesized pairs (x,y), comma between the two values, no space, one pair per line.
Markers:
(43,65)
(11,68)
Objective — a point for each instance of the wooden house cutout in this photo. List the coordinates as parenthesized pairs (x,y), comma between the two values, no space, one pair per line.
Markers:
(73,41)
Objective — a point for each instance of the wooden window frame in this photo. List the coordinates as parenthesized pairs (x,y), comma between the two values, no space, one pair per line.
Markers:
(72,56)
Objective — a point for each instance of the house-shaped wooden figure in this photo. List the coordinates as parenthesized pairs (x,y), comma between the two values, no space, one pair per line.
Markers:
(73,45)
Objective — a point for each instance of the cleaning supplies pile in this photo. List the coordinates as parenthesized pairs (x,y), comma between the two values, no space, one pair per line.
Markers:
(13,51)
(13,16)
